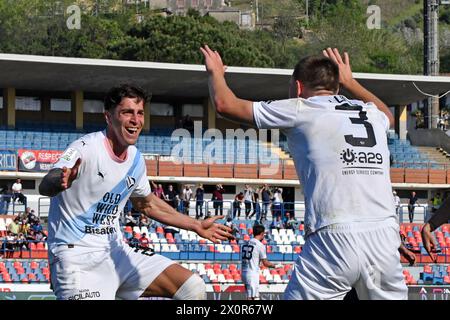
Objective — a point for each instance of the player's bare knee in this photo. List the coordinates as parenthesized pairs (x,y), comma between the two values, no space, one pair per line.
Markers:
(193,288)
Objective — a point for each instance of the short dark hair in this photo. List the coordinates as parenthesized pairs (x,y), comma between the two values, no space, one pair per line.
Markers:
(258,229)
(115,95)
(317,73)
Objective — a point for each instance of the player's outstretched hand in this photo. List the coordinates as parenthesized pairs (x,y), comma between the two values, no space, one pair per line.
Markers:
(345,71)
(213,231)
(429,242)
(69,174)
(213,61)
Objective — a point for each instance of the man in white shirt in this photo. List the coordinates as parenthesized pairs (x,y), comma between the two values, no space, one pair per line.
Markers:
(186,198)
(253,254)
(89,186)
(397,204)
(17,192)
(340,152)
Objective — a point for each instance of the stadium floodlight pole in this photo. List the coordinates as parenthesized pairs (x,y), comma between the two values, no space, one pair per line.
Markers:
(431,54)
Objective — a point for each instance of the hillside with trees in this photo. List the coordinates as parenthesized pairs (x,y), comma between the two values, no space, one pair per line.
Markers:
(108,30)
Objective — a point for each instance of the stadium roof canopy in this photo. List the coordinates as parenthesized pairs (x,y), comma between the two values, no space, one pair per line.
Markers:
(46,73)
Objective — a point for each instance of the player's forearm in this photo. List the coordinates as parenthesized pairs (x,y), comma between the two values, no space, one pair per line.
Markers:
(160,211)
(441,216)
(226,102)
(50,186)
(361,93)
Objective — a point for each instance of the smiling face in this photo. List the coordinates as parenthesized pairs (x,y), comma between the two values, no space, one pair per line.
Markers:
(125,123)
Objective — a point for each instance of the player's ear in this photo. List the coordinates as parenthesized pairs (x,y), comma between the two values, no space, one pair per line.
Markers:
(107,117)
(300,87)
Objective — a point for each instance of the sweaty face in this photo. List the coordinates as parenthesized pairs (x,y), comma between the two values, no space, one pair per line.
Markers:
(126,121)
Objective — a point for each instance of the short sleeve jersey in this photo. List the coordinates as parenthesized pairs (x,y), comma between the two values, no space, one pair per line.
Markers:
(253,251)
(87,214)
(339,147)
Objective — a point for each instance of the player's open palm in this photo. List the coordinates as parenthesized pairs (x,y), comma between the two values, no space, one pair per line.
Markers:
(345,71)
(429,243)
(68,175)
(214,231)
(213,61)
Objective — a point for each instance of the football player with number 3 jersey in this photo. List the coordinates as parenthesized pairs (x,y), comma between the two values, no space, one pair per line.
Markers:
(339,147)
(89,186)
(253,252)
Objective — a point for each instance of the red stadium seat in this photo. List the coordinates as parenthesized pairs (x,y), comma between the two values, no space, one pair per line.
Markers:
(25,280)
(217,288)
(427,269)
(301,227)
(242,225)
(159,230)
(447,279)
(233,266)
(40,246)
(17,264)
(128,229)
(246,237)
(236,277)
(33,246)
(34,265)
(250,231)
(31,276)
(236,248)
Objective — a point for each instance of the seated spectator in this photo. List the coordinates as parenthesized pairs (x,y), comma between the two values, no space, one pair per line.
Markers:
(11,240)
(14,226)
(277,224)
(143,221)
(17,192)
(144,241)
(134,241)
(129,220)
(229,223)
(37,227)
(40,236)
(291,222)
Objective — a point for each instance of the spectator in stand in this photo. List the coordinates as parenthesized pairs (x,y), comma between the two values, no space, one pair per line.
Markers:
(24,226)
(31,236)
(40,236)
(144,242)
(217,198)
(186,197)
(277,203)
(234,230)
(436,202)
(11,240)
(199,200)
(37,227)
(14,226)
(397,204)
(143,221)
(170,196)
(248,200)
(413,201)
(266,197)
(134,241)
(256,205)
(277,223)
(158,190)
(21,243)
(17,192)
(291,223)
(130,221)
(178,203)
(238,199)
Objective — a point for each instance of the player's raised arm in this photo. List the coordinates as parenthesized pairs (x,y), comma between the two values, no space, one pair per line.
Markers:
(58,180)
(159,210)
(354,87)
(225,101)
